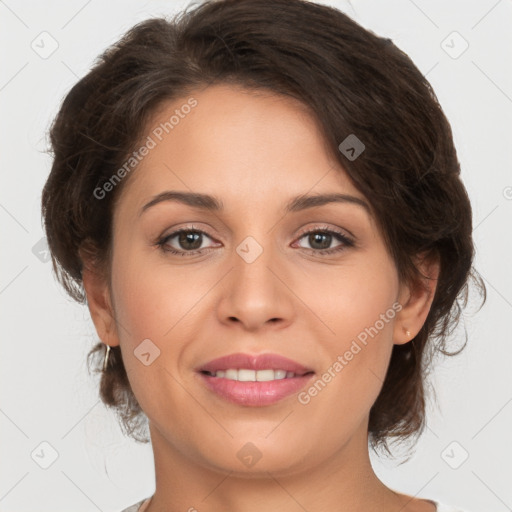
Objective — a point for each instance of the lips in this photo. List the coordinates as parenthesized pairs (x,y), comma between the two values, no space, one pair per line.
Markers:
(254,381)
(258,362)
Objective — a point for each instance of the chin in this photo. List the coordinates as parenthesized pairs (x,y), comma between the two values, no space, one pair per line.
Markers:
(255,459)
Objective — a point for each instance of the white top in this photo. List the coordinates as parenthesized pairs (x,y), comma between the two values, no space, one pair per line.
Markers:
(441,507)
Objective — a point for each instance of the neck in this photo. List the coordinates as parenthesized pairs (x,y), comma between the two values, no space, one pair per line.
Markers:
(344,481)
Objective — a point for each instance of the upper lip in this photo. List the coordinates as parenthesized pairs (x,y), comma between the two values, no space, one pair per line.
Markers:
(255,362)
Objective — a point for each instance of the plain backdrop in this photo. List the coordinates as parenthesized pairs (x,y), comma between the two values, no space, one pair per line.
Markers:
(50,413)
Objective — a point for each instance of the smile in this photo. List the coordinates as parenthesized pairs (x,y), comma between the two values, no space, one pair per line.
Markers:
(247,375)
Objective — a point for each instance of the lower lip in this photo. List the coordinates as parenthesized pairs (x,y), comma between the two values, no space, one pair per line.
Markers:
(255,394)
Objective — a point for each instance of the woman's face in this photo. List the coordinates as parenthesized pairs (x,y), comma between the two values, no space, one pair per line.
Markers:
(250,282)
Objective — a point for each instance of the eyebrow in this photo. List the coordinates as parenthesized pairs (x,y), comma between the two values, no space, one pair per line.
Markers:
(214,204)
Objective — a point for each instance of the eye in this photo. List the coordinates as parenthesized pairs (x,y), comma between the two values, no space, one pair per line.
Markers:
(321,238)
(189,241)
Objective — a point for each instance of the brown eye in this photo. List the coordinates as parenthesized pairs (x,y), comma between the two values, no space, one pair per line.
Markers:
(189,239)
(320,241)
(185,241)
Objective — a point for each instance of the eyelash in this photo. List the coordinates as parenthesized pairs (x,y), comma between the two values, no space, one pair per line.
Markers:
(346,242)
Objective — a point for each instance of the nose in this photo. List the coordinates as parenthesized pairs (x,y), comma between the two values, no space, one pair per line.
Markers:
(257,293)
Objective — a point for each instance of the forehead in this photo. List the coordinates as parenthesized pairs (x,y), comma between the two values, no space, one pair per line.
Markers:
(236,143)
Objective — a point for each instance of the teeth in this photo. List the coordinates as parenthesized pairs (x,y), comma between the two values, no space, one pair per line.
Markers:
(231,374)
(245,375)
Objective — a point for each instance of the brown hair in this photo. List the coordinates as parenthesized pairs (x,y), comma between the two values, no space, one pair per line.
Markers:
(354,82)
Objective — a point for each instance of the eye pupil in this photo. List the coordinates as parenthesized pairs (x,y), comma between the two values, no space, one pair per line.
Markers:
(315,237)
(190,236)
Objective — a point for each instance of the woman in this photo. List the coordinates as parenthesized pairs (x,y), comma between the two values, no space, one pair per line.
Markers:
(261,204)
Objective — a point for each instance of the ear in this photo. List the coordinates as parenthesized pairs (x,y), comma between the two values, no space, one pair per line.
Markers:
(99,301)
(416,299)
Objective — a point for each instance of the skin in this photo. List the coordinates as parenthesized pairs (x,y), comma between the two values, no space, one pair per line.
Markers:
(255,151)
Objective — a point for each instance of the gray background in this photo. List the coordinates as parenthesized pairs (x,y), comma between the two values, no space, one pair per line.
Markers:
(46,392)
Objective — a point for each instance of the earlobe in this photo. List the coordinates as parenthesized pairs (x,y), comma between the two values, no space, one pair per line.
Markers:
(99,303)
(416,300)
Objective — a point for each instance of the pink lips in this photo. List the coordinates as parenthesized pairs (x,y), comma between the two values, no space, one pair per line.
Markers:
(260,362)
(254,394)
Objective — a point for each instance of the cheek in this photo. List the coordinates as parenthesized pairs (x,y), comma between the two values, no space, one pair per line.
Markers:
(141,315)
(149,297)
(358,306)
(154,302)
(148,308)
(355,300)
